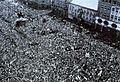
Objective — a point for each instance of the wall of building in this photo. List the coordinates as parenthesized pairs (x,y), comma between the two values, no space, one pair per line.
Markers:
(110,23)
(115,14)
(104,8)
(86,14)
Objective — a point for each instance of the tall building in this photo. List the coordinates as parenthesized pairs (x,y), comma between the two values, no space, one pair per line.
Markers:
(109,10)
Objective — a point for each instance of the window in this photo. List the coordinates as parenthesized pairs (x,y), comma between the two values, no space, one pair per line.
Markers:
(78,10)
(113,9)
(105,8)
(87,18)
(115,2)
(75,14)
(119,19)
(106,1)
(115,17)
(117,8)
(102,7)
(84,12)
(83,16)
(75,10)
(109,1)
(111,17)
(116,11)
(87,12)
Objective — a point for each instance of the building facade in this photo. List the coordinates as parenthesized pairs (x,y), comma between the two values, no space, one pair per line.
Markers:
(109,11)
(115,14)
(106,9)
(78,9)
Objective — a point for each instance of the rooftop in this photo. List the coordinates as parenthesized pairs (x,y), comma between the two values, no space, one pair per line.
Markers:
(92,4)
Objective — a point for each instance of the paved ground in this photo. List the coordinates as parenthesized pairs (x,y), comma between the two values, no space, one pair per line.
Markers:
(51,51)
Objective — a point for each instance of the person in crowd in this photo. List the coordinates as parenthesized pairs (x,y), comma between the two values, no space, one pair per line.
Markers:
(20,15)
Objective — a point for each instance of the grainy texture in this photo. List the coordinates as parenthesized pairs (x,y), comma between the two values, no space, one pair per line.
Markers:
(46,49)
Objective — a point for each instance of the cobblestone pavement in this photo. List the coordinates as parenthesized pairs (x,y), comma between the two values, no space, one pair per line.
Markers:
(48,50)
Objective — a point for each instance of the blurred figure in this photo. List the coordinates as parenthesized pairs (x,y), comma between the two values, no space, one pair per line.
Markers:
(20,15)
(21,20)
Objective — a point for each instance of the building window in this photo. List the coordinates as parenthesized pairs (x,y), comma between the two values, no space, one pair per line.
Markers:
(84,12)
(75,14)
(87,12)
(113,9)
(115,2)
(107,17)
(106,1)
(111,17)
(75,10)
(119,19)
(102,7)
(115,17)
(109,1)
(116,11)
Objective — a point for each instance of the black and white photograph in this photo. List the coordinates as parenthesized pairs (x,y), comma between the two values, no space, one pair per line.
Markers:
(59,40)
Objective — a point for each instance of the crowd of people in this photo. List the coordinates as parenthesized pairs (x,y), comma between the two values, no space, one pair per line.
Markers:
(47,49)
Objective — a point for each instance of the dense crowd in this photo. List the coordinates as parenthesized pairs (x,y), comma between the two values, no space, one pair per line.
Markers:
(47,49)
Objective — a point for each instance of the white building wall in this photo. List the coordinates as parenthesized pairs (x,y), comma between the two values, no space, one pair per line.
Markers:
(88,15)
(109,23)
(115,14)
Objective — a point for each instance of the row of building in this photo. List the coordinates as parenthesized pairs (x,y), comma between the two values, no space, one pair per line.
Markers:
(103,12)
